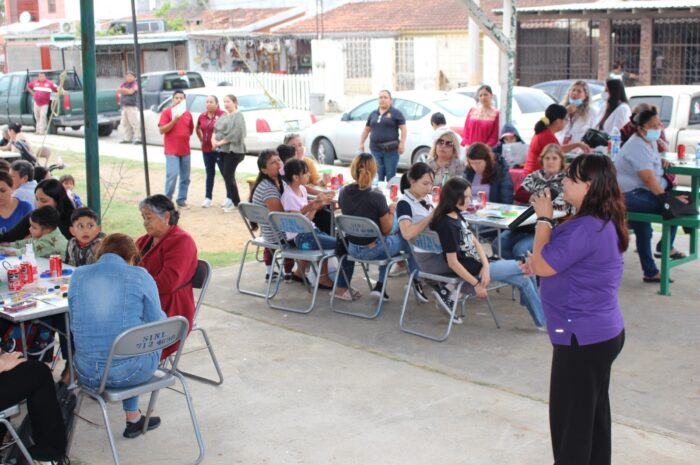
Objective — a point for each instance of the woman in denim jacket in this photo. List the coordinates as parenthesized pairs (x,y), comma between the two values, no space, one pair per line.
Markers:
(107,298)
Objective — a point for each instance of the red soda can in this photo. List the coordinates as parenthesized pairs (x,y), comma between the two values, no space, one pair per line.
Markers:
(14,279)
(25,272)
(394,194)
(436,195)
(334,183)
(56,266)
(609,147)
(681,152)
(482,198)
(340,179)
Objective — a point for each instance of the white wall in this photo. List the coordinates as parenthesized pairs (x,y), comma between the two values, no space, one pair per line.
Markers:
(382,54)
(328,70)
(453,58)
(425,63)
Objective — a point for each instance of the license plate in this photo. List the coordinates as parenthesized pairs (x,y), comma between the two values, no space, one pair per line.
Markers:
(292,125)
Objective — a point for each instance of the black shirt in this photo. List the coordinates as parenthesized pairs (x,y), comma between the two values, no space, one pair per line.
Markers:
(455,237)
(384,126)
(365,203)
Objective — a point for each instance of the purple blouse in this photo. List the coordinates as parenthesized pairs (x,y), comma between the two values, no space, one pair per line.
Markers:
(581,298)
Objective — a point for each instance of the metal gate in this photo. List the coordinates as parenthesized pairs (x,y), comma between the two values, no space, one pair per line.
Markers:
(676,51)
(404,64)
(358,66)
(625,40)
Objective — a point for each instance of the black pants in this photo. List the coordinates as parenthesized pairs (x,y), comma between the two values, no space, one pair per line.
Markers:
(579,406)
(32,380)
(229,163)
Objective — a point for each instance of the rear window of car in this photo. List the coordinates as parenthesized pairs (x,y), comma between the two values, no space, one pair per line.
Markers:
(71,83)
(176,81)
(664,104)
(259,102)
(533,102)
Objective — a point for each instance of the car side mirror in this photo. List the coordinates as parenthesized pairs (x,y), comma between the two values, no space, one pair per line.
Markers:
(154,108)
(345,117)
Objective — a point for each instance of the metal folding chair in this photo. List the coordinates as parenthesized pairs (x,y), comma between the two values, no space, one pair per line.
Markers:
(5,415)
(140,340)
(201,282)
(296,223)
(363,227)
(429,242)
(253,214)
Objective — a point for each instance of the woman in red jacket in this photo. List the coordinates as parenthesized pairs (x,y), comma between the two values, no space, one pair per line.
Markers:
(169,254)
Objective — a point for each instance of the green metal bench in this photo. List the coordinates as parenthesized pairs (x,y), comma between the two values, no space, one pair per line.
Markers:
(692,222)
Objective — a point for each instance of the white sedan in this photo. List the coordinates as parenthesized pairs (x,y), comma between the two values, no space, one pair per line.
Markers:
(338,138)
(267,118)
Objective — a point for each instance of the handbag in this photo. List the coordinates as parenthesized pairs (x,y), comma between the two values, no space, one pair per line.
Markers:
(672,207)
(390,146)
(595,138)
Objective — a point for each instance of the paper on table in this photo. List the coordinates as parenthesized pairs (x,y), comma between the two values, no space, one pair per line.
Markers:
(179,109)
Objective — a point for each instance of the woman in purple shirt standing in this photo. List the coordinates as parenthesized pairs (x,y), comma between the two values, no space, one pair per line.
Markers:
(580,262)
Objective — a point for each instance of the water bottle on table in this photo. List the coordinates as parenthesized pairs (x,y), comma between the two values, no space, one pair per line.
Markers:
(616,140)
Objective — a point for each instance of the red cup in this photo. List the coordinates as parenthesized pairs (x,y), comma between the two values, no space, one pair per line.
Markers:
(681,152)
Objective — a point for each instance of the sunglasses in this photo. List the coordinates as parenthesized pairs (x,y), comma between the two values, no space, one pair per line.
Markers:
(446,143)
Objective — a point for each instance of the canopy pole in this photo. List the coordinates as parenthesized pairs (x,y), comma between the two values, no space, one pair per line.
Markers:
(137,61)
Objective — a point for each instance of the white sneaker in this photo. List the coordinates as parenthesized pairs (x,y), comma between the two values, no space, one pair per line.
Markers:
(230,209)
(206,203)
(398,270)
(228,203)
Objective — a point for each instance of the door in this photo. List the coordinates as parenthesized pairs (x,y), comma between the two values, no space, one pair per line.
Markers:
(4,94)
(18,99)
(346,139)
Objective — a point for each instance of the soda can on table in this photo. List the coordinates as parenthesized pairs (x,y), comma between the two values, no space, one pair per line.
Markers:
(394,193)
(56,266)
(14,279)
(25,271)
(681,152)
(482,198)
(334,183)
(340,180)
(436,195)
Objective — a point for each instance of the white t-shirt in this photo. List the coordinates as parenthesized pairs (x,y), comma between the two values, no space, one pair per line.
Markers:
(617,119)
(576,128)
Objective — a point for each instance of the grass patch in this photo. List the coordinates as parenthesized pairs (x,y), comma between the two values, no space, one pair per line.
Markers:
(223,259)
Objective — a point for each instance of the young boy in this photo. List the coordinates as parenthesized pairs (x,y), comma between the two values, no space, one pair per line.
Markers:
(87,235)
(46,238)
(68,183)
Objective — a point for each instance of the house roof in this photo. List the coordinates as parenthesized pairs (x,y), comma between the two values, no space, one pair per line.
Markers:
(237,18)
(385,16)
(609,5)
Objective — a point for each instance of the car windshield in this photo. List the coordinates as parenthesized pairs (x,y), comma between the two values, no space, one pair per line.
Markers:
(259,102)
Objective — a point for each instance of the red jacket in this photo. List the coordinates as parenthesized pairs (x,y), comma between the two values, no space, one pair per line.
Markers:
(172,262)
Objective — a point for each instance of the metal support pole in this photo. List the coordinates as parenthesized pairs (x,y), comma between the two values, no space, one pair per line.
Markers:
(508,60)
(92,150)
(474,65)
(137,62)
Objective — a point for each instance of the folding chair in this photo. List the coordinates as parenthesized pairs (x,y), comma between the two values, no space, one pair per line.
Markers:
(363,227)
(253,214)
(201,282)
(296,223)
(140,340)
(4,419)
(429,242)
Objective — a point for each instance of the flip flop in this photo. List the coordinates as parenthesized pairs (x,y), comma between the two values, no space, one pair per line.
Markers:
(654,279)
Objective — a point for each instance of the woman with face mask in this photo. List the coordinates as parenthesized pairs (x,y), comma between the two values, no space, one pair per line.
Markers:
(640,173)
(617,111)
(579,115)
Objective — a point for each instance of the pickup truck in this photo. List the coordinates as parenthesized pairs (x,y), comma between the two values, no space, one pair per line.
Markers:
(679,109)
(159,86)
(16,104)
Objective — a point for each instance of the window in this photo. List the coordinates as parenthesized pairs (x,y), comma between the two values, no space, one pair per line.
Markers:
(533,102)
(197,103)
(258,102)
(663,104)
(693,118)
(17,85)
(357,58)
(362,112)
(52,6)
(4,84)
(182,81)
(411,110)
(165,105)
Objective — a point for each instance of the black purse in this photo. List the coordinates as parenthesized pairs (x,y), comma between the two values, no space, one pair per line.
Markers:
(595,138)
(390,146)
(672,207)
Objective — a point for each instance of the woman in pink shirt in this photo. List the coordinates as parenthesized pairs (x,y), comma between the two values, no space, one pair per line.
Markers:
(482,121)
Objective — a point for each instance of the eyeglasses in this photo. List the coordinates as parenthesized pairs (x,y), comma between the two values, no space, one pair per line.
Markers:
(446,143)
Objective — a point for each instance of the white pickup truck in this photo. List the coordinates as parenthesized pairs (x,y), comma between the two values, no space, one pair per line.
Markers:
(679,108)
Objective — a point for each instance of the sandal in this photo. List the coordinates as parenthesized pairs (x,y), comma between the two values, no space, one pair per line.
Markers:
(654,279)
(355,293)
(346,296)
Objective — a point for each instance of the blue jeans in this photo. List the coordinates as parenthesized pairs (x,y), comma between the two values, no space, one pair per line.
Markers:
(394,243)
(174,166)
(124,373)
(508,271)
(644,201)
(515,244)
(306,241)
(211,161)
(386,164)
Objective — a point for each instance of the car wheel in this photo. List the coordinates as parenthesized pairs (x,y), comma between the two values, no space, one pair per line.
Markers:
(52,129)
(75,128)
(421,154)
(325,153)
(104,130)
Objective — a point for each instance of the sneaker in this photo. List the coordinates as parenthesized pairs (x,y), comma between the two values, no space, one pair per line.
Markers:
(444,301)
(183,206)
(228,203)
(419,292)
(230,209)
(134,430)
(273,277)
(46,454)
(137,142)
(397,271)
(376,292)
(206,203)
(125,142)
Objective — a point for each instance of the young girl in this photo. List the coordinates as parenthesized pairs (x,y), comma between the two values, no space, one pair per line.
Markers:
(295,199)
(466,258)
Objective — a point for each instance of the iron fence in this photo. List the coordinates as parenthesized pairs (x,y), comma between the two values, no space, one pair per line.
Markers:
(676,51)
(625,40)
(404,64)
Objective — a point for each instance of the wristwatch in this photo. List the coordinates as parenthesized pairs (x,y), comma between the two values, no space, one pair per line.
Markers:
(544,219)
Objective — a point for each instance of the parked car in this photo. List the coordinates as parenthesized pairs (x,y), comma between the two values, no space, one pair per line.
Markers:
(267,118)
(557,89)
(159,86)
(528,106)
(337,138)
(679,109)
(17,105)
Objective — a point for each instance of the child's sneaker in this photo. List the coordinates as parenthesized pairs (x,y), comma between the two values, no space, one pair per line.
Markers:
(445,302)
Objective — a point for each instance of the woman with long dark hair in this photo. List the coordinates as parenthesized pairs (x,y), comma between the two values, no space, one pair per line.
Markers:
(488,172)
(229,140)
(617,110)
(482,121)
(580,265)
(205,130)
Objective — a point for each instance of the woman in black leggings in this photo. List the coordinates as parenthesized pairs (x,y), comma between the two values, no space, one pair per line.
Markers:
(229,140)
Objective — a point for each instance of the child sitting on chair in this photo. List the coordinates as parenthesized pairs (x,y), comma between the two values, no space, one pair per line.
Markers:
(45,235)
(87,236)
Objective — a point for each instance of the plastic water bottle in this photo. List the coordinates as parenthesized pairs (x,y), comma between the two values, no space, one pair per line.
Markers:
(697,153)
(375,182)
(616,140)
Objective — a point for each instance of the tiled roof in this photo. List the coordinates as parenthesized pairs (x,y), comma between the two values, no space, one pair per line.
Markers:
(387,16)
(233,19)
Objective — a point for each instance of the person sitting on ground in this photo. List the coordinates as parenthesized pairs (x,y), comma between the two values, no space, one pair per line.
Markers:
(22,173)
(101,308)
(169,254)
(46,238)
(553,121)
(358,199)
(87,236)
(22,379)
(489,173)
(444,157)
(629,129)
(465,257)
(12,209)
(68,183)
(517,243)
